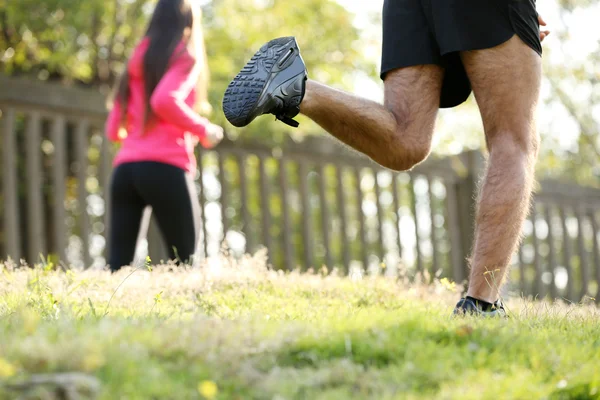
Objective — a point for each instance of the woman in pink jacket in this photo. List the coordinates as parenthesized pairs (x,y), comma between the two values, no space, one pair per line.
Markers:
(154,119)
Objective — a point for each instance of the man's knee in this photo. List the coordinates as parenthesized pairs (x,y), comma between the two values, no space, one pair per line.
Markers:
(514,142)
(409,158)
(403,157)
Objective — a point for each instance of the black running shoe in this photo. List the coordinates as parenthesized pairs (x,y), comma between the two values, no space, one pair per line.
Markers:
(470,306)
(273,82)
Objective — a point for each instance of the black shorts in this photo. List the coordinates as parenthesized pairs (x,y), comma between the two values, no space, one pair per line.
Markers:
(418,32)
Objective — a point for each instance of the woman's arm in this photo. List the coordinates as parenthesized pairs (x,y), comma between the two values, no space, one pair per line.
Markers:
(113,123)
(168,99)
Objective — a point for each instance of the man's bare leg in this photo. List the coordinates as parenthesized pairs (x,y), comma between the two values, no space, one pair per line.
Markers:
(506,82)
(397,134)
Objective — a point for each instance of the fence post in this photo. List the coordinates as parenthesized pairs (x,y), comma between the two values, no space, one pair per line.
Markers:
(59,180)
(105,177)
(12,230)
(81,155)
(474,163)
(35,208)
(157,248)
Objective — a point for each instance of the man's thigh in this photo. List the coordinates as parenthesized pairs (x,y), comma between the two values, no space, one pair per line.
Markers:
(506,82)
(412,94)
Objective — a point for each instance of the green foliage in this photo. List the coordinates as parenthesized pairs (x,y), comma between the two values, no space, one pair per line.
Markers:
(236,29)
(89,42)
(245,332)
(574,84)
(69,40)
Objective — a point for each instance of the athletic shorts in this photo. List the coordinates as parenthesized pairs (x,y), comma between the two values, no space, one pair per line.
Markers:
(419,32)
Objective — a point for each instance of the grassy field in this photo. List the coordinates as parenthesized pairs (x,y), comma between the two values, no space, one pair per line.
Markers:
(235,330)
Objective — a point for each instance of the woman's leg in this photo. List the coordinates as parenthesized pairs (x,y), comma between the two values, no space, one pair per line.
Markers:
(170,192)
(126,213)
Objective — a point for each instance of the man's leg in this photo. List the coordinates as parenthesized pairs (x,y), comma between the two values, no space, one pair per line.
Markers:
(397,134)
(506,82)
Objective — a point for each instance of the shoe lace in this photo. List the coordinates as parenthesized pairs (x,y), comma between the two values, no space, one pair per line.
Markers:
(287,120)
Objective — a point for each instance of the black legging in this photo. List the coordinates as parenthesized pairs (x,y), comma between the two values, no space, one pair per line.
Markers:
(170,192)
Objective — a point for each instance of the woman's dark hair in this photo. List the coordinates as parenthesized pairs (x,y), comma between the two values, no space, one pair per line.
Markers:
(172,22)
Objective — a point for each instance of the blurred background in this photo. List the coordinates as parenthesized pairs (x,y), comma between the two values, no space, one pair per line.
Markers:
(86,44)
(308,200)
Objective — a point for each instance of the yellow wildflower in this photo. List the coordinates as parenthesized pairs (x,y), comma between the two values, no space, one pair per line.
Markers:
(208,389)
(31,321)
(92,361)
(6,369)
(446,283)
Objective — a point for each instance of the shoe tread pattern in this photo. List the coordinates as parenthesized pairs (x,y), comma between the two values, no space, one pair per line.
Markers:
(245,89)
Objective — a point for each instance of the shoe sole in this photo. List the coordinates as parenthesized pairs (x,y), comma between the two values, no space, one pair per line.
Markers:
(483,314)
(250,90)
(462,310)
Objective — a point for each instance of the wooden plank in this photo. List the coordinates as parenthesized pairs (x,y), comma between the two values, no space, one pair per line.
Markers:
(81,156)
(361,219)
(59,179)
(202,195)
(538,284)
(554,189)
(325,218)
(246,221)
(583,259)
(522,271)
(59,97)
(12,232)
(466,187)
(48,113)
(265,194)
(459,265)
(285,210)
(139,257)
(92,103)
(322,150)
(380,243)
(413,204)
(396,203)
(223,183)
(552,251)
(36,245)
(450,168)
(307,231)
(434,236)
(567,255)
(341,201)
(105,178)
(157,248)
(596,249)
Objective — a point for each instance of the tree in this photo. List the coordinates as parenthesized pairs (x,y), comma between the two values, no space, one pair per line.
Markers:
(87,43)
(572,71)
(69,40)
(236,29)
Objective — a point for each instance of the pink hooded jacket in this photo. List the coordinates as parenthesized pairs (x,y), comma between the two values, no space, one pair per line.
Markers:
(176,128)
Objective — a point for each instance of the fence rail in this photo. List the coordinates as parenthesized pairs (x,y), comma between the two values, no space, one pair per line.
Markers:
(311,204)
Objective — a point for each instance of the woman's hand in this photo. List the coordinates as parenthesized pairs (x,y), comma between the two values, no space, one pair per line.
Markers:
(214,135)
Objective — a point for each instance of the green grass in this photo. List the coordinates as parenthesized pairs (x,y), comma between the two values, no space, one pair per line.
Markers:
(257,334)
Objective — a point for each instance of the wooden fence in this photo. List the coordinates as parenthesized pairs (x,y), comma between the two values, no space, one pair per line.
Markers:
(310,204)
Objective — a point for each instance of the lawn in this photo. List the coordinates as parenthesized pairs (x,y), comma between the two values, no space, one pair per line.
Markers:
(236,330)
